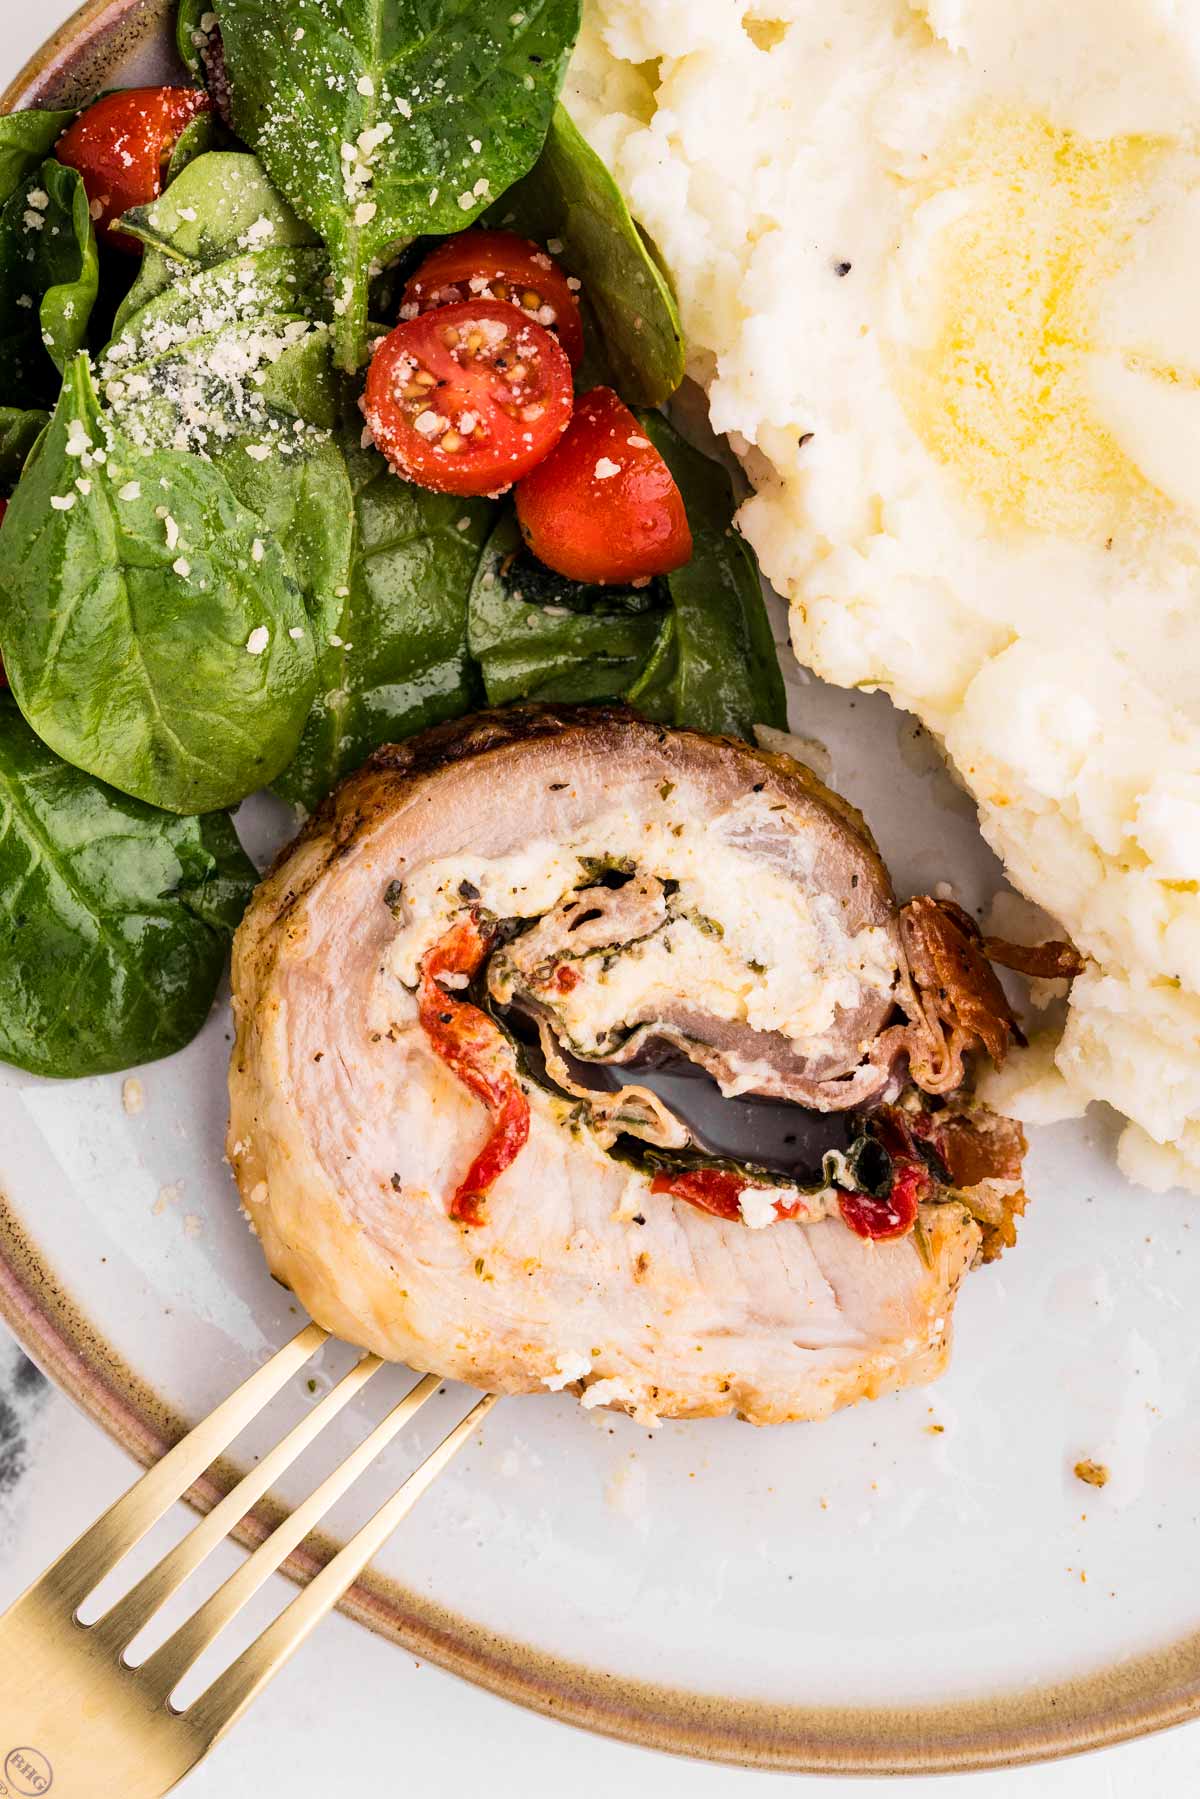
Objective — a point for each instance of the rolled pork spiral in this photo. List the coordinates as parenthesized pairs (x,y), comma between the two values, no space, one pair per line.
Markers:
(573,1050)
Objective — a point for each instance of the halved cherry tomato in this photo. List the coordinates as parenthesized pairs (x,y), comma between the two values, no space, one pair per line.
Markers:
(120,146)
(499,265)
(469,398)
(476,1050)
(715,1190)
(604,506)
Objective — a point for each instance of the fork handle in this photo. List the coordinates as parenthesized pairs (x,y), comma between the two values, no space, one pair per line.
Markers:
(53,1741)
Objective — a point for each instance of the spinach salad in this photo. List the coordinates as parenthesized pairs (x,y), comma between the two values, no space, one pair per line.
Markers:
(257,519)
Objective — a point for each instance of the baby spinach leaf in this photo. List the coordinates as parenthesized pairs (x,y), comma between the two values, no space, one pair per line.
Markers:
(198,137)
(727,676)
(221,204)
(148,623)
(198,388)
(216,364)
(26,139)
(114,917)
(213,364)
(49,275)
(537,635)
(381,119)
(394,658)
(305,501)
(653,691)
(198,40)
(211,296)
(692,649)
(190,36)
(69,260)
(569,196)
(19,431)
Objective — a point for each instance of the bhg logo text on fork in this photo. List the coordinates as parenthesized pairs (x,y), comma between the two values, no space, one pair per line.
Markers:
(27,1773)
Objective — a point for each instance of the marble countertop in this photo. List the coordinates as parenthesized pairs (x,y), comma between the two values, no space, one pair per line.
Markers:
(352,1712)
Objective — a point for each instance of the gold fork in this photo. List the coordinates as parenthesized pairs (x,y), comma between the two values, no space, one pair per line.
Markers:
(75,1716)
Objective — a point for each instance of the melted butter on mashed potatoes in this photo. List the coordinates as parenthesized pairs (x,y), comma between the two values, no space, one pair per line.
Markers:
(976,449)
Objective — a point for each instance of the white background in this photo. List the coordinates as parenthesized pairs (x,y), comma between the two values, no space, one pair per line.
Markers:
(354,1713)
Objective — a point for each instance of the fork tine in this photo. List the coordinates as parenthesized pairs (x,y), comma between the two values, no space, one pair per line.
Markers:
(128,1615)
(219,1707)
(165,1668)
(98,1550)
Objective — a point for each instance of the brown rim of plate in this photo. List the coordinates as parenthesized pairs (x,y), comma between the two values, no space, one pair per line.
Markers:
(1132,1698)
(1005,1729)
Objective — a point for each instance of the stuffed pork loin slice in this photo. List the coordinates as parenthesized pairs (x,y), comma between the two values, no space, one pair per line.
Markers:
(461,997)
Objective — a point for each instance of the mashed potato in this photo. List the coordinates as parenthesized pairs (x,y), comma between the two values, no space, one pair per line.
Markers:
(939,267)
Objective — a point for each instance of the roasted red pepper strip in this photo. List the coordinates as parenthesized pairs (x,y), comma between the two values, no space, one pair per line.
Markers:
(715,1190)
(883,1219)
(719,1191)
(474,1048)
(566,977)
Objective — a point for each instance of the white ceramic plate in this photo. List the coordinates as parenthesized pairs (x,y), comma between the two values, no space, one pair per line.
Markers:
(919,1583)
